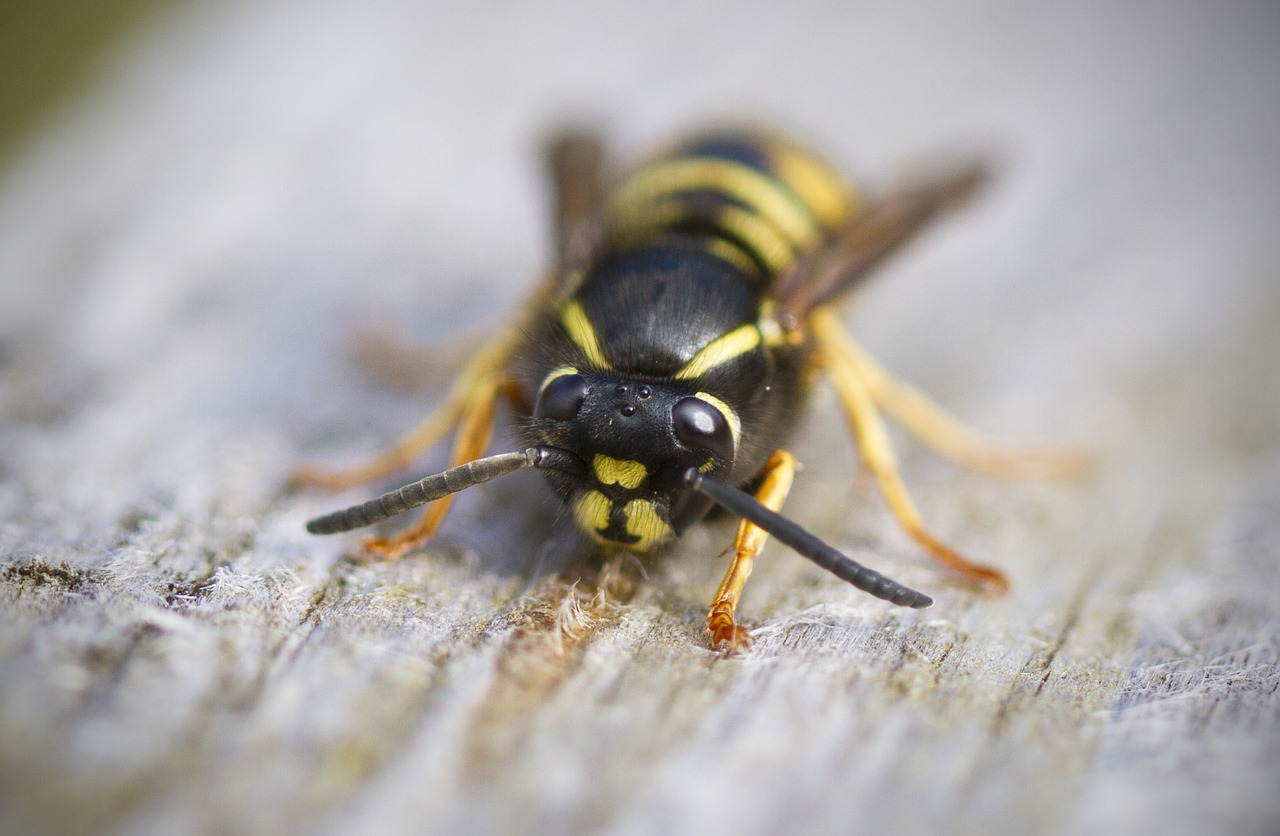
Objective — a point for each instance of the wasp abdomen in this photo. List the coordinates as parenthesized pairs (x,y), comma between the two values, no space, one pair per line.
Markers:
(758,202)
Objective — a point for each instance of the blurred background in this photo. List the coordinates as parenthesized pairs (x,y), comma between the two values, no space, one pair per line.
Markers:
(54,50)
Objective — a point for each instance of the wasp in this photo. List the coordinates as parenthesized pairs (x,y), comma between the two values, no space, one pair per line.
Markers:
(659,366)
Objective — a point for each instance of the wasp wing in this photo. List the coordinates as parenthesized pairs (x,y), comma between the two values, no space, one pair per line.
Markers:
(873,234)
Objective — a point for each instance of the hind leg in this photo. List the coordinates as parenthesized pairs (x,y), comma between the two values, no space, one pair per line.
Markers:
(935,427)
(475,428)
(873,441)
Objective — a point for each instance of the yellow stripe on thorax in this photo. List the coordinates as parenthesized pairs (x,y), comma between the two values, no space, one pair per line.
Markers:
(579,328)
(765,195)
(722,349)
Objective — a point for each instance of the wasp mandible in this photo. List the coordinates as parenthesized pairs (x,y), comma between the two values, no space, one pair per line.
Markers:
(657,370)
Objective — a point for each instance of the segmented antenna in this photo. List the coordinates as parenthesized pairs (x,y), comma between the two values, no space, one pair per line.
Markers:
(442,484)
(806,544)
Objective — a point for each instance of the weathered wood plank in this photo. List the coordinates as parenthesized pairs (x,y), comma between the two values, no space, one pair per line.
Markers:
(187,253)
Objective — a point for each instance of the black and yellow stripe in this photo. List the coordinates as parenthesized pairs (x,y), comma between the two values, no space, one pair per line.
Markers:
(759,202)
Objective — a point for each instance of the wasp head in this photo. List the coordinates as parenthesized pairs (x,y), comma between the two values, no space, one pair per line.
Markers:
(637,439)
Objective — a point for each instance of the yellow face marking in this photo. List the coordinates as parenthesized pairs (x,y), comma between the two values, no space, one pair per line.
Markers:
(722,349)
(735,425)
(766,195)
(591,513)
(818,186)
(583,333)
(622,472)
(643,522)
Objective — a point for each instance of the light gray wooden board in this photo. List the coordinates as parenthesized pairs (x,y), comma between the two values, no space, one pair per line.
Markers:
(186,252)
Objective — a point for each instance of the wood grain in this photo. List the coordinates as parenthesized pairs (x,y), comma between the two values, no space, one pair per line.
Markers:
(189,253)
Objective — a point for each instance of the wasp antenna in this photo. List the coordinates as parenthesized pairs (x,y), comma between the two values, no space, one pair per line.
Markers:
(442,484)
(806,544)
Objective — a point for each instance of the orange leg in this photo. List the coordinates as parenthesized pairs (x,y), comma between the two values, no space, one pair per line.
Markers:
(410,446)
(778,473)
(932,425)
(469,409)
(477,381)
(873,441)
(474,431)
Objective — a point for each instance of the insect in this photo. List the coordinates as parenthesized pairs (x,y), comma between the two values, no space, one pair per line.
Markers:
(657,370)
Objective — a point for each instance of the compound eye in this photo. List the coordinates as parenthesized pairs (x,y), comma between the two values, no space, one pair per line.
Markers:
(561,399)
(700,425)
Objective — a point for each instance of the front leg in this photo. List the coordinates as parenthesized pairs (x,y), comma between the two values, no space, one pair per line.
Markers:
(778,473)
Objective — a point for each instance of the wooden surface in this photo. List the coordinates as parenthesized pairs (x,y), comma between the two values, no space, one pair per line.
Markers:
(187,252)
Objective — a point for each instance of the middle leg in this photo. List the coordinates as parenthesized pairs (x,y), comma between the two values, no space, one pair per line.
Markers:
(479,381)
(475,428)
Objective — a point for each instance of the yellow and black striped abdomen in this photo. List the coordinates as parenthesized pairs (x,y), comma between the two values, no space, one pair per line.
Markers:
(757,201)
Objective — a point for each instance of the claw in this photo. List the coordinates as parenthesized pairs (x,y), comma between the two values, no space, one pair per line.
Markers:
(726,635)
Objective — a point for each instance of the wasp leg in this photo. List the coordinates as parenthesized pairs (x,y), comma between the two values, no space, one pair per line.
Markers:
(481,377)
(873,441)
(934,426)
(411,445)
(778,473)
(474,431)
(391,358)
